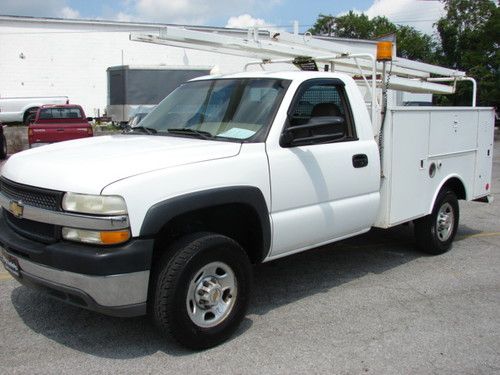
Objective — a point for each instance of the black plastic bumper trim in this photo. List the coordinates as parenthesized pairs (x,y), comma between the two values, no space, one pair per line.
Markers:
(132,256)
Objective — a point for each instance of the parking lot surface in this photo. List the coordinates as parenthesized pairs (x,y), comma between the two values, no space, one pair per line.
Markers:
(371,304)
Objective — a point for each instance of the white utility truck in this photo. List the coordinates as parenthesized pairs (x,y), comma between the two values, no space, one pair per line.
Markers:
(238,169)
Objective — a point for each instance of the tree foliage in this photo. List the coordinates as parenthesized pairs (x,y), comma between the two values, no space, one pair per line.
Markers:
(468,39)
(411,43)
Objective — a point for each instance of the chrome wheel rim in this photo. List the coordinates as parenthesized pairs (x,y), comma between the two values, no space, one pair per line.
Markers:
(445,222)
(211,294)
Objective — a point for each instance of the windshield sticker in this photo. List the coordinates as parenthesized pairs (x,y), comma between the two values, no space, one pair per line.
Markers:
(237,133)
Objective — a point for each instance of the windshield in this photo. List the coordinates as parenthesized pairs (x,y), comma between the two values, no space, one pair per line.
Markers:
(225,109)
(60,113)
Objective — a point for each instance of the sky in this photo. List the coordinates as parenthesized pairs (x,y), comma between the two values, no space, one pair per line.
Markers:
(420,14)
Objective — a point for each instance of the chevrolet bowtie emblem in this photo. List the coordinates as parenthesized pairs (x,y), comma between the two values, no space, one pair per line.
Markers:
(16,209)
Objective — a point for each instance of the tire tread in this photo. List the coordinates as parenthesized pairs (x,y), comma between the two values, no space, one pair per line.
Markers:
(166,279)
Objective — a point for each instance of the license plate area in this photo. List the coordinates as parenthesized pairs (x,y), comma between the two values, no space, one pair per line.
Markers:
(10,263)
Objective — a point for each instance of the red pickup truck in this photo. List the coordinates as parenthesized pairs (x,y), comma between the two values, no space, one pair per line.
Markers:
(56,123)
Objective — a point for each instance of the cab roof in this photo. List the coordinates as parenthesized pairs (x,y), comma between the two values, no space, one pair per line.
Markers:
(288,75)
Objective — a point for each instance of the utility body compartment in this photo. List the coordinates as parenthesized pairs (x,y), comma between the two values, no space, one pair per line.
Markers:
(423,148)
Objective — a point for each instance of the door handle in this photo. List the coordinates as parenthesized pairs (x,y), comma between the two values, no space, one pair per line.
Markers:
(359,161)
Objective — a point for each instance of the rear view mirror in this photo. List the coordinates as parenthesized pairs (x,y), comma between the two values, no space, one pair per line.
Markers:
(317,130)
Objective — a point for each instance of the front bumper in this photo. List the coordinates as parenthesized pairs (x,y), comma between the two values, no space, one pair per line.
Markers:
(110,280)
(122,295)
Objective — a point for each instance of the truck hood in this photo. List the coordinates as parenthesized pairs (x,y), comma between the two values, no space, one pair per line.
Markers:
(88,165)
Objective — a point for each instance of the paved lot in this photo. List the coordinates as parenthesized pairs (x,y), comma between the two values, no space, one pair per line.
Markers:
(366,305)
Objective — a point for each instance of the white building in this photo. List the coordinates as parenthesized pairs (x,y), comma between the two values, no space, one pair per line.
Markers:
(49,57)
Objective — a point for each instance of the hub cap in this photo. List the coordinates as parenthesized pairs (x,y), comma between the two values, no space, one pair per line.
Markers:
(211,295)
(445,222)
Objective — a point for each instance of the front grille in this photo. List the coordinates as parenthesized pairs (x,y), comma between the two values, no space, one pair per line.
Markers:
(31,196)
(35,197)
(42,232)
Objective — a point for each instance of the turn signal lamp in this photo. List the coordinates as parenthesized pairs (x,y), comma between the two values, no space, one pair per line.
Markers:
(384,51)
(115,237)
(96,237)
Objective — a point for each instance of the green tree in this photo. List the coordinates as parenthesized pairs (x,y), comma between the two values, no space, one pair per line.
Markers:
(410,42)
(352,25)
(470,36)
(324,25)
(414,45)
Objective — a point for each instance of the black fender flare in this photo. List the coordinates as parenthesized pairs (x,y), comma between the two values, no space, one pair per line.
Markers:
(161,213)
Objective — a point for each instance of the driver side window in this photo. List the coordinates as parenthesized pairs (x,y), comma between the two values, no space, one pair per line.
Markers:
(319,110)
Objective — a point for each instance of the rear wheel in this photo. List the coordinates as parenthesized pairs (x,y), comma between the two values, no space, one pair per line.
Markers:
(3,147)
(201,290)
(435,233)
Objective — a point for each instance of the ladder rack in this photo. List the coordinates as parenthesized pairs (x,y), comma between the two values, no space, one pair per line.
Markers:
(351,56)
(276,44)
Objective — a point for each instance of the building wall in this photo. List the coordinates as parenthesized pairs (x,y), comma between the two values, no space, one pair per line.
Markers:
(40,57)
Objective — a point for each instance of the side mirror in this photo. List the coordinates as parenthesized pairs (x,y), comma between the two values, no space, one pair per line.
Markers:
(317,129)
(90,119)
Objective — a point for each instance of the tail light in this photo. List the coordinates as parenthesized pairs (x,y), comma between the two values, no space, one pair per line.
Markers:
(30,132)
(90,131)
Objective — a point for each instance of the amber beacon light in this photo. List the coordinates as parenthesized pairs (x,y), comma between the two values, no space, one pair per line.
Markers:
(384,51)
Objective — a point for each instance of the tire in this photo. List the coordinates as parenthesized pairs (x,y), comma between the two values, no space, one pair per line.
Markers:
(29,116)
(3,147)
(435,233)
(193,299)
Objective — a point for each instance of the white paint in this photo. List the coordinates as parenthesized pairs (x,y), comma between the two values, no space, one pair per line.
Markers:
(14,109)
(313,193)
(88,165)
(455,139)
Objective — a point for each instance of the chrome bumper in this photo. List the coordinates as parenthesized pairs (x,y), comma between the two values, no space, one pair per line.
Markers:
(119,295)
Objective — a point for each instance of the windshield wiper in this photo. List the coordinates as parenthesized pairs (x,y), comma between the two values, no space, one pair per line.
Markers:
(143,129)
(198,133)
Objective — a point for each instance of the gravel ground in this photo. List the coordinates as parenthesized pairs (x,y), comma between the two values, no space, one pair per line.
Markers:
(371,304)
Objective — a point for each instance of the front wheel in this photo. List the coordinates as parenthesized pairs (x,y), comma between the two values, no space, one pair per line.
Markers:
(201,290)
(435,233)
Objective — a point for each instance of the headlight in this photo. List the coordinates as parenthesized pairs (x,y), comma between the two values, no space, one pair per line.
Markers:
(95,237)
(94,204)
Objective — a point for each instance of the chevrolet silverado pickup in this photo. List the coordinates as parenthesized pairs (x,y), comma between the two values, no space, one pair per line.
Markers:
(226,172)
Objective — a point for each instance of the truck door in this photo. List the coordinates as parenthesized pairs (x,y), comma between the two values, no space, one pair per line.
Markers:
(324,179)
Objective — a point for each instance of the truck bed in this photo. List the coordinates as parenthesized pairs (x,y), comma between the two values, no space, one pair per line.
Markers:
(456,142)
